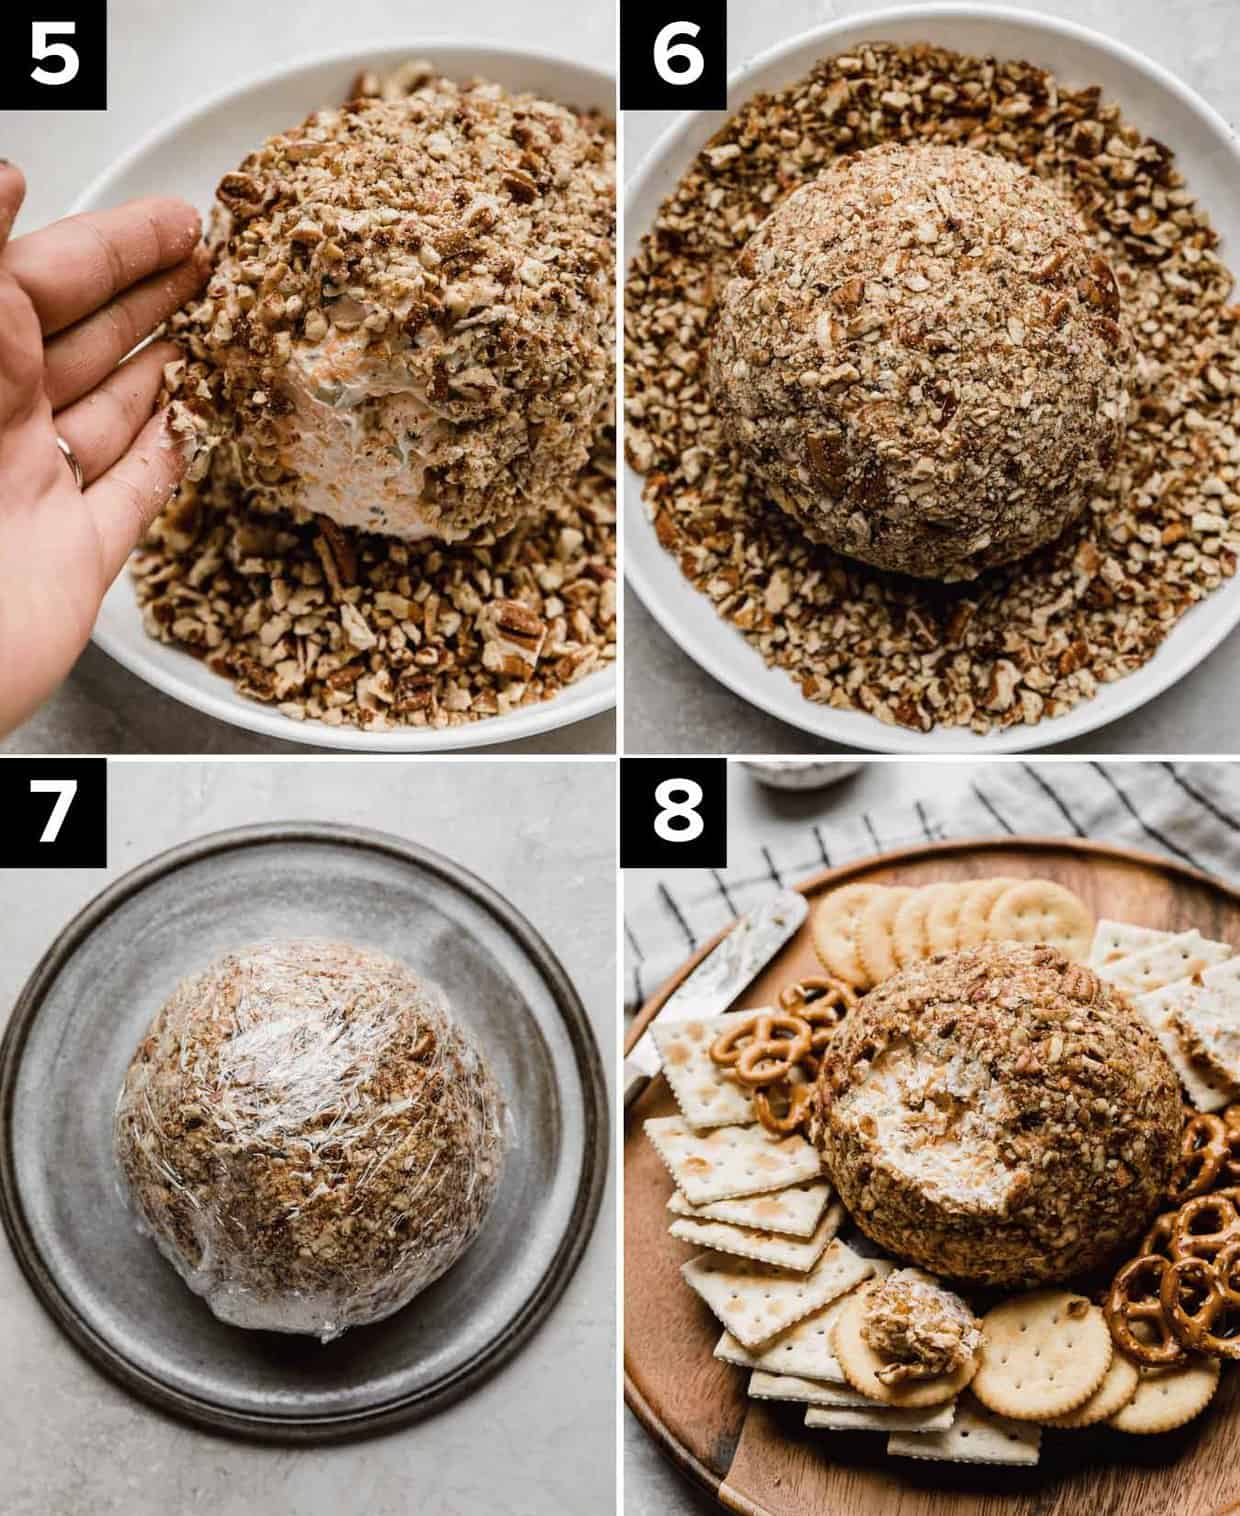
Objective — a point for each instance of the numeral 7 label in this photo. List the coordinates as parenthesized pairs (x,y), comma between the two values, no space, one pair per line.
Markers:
(57,813)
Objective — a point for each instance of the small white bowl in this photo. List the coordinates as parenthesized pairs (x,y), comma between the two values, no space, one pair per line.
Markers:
(1207,152)
(187,157)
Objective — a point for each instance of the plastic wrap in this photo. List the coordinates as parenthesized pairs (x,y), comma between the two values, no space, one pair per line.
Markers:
(308,1136)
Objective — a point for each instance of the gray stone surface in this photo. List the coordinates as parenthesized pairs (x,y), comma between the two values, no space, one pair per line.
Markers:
(674,706)
(536,1440)
(163,58)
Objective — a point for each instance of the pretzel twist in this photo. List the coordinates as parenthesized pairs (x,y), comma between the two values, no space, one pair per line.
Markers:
(794,1098)
(1194,1321)
(1231,1130)
(1203,1152)
(1134,1299)
(1204,1226)
(764,1048)
(1159,1237)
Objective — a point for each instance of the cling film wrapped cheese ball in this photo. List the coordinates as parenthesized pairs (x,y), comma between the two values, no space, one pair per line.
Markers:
(308,1136)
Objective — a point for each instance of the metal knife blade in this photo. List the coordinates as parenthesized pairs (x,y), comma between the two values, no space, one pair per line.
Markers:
(720,977)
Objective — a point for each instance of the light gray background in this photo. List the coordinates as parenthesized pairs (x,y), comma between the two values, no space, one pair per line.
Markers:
(672,705)
(164,58)
(536,1440)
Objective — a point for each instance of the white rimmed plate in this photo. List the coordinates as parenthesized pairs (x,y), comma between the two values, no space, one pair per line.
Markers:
(186,157)
(1208,153)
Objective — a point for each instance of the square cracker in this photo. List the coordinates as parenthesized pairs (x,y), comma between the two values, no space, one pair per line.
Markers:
(764,1386)
(975,1436)
(804,1350)
(706,1098)
(1155,967)
(872,1417)
(1114,940)
(755,1301)
(800,1253)
(1206,1092)
(843,1398)
(730,1160)
(795,1211)
(1223,976)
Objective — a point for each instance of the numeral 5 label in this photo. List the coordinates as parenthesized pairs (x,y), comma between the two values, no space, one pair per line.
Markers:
(54,57)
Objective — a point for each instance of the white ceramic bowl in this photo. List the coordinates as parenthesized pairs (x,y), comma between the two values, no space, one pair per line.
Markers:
(1208,153)
(186,157)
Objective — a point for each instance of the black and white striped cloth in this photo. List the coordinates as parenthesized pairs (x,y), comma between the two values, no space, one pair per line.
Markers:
(1190,811)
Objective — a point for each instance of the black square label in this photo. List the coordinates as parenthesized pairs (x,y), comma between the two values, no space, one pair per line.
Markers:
(673,813)
(54,57)
(674,56)
(57,813)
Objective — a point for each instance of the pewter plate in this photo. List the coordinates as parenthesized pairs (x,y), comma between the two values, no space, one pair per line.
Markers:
(89,1001)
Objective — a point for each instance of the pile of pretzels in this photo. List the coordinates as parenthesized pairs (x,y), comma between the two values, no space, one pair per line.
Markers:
(774,1055)
(1181,1293)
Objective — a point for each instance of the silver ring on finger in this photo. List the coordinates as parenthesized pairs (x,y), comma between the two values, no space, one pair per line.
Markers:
(79,478)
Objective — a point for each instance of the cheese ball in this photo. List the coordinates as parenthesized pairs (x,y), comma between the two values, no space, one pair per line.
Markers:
(998,1116)
(921,358)
(308,1136)
(409,326)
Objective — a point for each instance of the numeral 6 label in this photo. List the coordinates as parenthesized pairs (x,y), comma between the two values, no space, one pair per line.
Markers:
(673,813)
(57,813)
(673,56)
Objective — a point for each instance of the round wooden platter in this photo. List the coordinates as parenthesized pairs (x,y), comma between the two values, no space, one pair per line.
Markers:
(757,1457)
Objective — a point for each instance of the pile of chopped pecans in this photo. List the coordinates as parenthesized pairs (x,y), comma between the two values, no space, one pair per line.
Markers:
(331,623)
(1023,642)
(353,629)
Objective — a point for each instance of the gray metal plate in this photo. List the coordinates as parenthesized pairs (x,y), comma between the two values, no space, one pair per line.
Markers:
(81,1015)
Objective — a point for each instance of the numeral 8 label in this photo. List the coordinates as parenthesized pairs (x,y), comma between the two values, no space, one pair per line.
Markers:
(683,811)
(673,813)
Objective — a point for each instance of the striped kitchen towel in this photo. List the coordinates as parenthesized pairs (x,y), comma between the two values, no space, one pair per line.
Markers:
(1190,811)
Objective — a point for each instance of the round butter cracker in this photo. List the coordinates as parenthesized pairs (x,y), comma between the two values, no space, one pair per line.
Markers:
(1167,1398)
(874,932)
(834,928)
(908,935)
(1043,1354)
(1118,1386)
(943,918)
(1040,911)
(979,901)
(860,1363)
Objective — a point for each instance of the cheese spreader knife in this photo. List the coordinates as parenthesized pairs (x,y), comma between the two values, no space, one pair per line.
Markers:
(720,977)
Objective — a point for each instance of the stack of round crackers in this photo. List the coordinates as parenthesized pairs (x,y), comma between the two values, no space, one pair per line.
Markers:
(864,933)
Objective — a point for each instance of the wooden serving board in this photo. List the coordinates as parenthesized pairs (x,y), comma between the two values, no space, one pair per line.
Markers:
(757,1457)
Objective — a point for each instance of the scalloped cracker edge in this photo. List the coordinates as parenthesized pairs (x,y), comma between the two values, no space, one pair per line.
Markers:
(705,1096)
(1114,940)
(975,1436)
(756,1301)
(793,1212)
(730,1160)
(800,1253)
(879,1418)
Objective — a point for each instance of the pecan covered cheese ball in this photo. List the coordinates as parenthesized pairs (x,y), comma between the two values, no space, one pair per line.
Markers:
(921,358)
(308,1136)
(410,323)
(999,1116)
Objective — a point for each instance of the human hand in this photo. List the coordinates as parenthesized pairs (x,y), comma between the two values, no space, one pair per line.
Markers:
(74,299)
